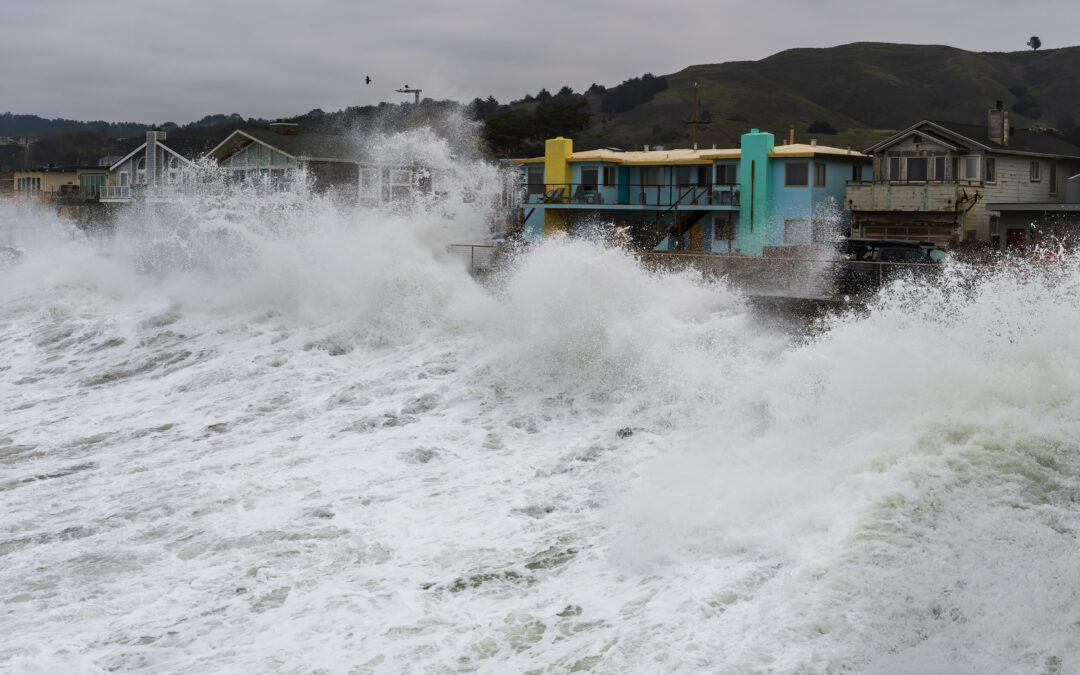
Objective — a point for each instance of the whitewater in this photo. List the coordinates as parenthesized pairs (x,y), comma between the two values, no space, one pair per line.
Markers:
(283,434)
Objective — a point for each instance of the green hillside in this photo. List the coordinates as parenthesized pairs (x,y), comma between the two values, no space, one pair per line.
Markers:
(861,89)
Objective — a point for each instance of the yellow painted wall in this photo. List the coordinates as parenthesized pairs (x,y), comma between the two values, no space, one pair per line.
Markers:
(557,170)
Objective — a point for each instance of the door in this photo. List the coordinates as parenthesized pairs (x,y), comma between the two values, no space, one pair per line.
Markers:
(1014,240)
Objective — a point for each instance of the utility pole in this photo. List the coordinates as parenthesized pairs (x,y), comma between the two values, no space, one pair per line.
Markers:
(695,122)
(407,90)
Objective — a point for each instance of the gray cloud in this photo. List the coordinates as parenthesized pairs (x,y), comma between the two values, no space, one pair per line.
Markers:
(141,61)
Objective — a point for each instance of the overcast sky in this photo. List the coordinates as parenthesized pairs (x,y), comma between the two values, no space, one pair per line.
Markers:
(150,61)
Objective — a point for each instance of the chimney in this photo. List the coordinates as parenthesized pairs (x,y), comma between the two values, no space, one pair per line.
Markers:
(152,138)
(813,142)
(997,125)
(285,128)
(791,138)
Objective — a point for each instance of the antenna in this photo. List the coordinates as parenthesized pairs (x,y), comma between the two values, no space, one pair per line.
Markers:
(695,122)
(406,90)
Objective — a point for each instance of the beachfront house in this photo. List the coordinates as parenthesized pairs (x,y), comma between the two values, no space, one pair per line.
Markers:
(142,171)
(947,182)
(331,163)
(758,199)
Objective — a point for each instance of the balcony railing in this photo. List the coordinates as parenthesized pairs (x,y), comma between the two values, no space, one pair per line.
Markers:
(636,194)
(116,192)
(898,196)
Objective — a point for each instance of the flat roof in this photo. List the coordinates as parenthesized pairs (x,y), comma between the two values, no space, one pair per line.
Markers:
(700,156)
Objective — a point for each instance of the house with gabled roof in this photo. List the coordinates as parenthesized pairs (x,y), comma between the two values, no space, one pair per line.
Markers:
(330,162)
(151,164)
(942,181)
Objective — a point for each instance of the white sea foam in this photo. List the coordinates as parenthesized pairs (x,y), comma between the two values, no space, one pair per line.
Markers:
(327,448)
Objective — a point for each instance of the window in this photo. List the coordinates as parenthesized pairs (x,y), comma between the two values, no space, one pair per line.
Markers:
(609,176)
(703,176)
(1036,171)
(971,168)
(724,226)
(939,169)
(590,177)
(856,174)
(682,176)
(534,179)
(819,232)
(796,231)
(652,175)
(894,168)
(140,171)
(797,174)
(123,178)
(819,174)
(917,168)
(991,170)
(1053,178)
(726,174)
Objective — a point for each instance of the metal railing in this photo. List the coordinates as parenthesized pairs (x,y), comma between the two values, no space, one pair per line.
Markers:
(115,192)
(638,194)
(479,257)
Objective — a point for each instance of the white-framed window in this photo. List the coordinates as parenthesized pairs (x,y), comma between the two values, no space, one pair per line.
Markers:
(1036,171)
(124,179)
(971,167)
(819,174)
(939,168)
(991,170)
(894,168)
(796,231)
(609,176)
(140,171)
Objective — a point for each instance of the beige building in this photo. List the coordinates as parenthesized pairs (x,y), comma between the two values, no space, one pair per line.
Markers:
(70,189)
(934,180)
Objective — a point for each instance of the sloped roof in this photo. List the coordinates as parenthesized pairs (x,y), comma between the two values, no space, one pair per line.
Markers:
(1021,141)
(142,148)
(302,146)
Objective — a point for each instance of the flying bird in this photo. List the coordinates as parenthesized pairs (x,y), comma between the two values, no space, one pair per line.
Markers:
(367,79)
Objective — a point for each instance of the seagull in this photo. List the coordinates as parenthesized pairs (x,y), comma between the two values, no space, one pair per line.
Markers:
(367,79)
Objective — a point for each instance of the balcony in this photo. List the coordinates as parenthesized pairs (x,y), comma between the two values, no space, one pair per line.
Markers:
(898,196)
(634,194)
(115,193)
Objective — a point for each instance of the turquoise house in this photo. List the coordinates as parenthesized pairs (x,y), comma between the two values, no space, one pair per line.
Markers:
(752,200)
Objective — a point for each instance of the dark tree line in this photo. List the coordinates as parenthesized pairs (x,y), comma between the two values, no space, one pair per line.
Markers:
(632,93)
(519,132)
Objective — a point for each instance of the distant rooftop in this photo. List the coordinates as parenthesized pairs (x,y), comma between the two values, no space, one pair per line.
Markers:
(691,156)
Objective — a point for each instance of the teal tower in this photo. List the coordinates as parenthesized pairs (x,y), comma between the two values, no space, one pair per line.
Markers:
(755,192)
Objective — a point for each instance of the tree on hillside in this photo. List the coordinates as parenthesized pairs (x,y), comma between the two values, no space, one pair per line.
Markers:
(1034,42)
(632,93)
(596,89)
(820,128)
(563,117)
(543,95)
(507,132)
(565,92)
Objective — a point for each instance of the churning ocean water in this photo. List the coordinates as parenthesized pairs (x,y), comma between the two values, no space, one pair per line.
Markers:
(285,435)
